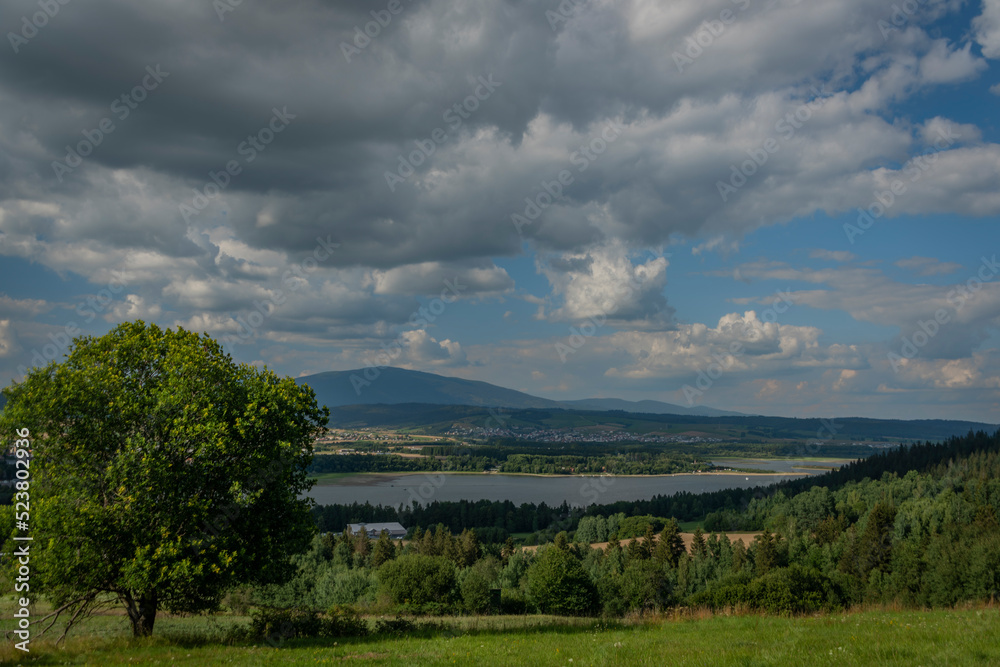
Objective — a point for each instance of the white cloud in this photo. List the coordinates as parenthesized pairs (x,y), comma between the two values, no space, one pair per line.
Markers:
(605,282)
(987,28)
(928,266)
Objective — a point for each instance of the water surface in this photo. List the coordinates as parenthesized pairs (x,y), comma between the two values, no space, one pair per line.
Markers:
(426,487)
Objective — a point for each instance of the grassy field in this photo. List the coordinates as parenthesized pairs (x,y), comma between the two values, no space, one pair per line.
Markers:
(957,637)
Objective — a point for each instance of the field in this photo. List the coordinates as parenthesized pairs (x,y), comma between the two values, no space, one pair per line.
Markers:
(957,637)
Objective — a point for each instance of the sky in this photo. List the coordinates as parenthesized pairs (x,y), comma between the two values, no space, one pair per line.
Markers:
(783,207)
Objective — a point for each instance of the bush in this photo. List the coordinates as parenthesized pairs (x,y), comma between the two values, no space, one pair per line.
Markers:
(558,584)
(419,581)
(477,585)
(635,526)
(394,626)
(342,621)
(792,589)
(347,587)
(643,585)
(280,624)
(513,601)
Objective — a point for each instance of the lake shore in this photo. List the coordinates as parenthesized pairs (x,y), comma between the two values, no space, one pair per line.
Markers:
(362,478)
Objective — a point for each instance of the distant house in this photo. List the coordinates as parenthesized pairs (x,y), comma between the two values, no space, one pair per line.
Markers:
(374,530)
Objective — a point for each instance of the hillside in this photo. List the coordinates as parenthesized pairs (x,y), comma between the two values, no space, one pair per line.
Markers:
(397,385)
(438,419)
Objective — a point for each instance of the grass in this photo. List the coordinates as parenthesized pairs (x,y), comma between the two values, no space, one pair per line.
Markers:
(943,637)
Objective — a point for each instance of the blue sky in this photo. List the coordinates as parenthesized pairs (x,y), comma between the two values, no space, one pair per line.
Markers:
(383,171)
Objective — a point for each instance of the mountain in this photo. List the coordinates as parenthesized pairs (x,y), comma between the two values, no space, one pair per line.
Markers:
(396,385)
(646,407)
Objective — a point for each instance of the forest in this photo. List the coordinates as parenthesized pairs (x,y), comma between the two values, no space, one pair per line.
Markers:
(916,527)
(517,459)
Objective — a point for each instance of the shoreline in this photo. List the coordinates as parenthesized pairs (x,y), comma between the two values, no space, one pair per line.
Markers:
(346,477)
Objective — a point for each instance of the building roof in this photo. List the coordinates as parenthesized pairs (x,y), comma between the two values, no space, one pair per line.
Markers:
(393,527)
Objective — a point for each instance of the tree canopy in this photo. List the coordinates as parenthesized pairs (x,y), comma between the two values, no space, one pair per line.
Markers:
(163,473)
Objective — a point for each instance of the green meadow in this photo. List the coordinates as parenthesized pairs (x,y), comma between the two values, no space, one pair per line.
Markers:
(942,637)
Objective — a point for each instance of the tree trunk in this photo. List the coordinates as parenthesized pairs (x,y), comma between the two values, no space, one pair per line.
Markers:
(142,614)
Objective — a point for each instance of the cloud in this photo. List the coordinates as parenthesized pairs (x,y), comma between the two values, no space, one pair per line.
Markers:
(987,28)
(928,266)
(431,278)
(422,351)
(8,343)
(833,255)
(605,282)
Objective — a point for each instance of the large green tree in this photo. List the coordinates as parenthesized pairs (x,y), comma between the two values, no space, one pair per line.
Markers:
(163,473)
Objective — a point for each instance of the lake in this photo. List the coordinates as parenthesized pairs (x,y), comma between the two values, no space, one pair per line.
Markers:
(393,489)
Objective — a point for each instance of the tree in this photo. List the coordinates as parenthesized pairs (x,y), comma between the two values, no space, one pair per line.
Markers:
(163,473)
(416,579)
(670,546)
(478,583)
(384,551)
(559,584)
(698,545)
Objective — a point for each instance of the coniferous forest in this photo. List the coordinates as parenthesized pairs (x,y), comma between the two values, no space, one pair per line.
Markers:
(916,527)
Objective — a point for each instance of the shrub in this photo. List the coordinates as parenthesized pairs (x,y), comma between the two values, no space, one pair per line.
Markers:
(558,584)
(514,601)
(417,581)
(477,585)
(394,626)
(284,623)
(343,621)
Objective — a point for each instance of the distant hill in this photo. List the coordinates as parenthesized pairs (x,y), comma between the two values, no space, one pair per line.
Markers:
(439,419)
(396,385)
(645,407)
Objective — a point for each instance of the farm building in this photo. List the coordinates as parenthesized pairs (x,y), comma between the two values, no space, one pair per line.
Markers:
(396,530)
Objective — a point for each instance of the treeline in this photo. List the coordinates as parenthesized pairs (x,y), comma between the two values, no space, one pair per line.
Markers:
(456,516)
(726,509)
(472,460)
(927,537)
(409,415)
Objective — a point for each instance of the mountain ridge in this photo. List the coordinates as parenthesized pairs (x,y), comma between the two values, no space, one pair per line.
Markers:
(398,385)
